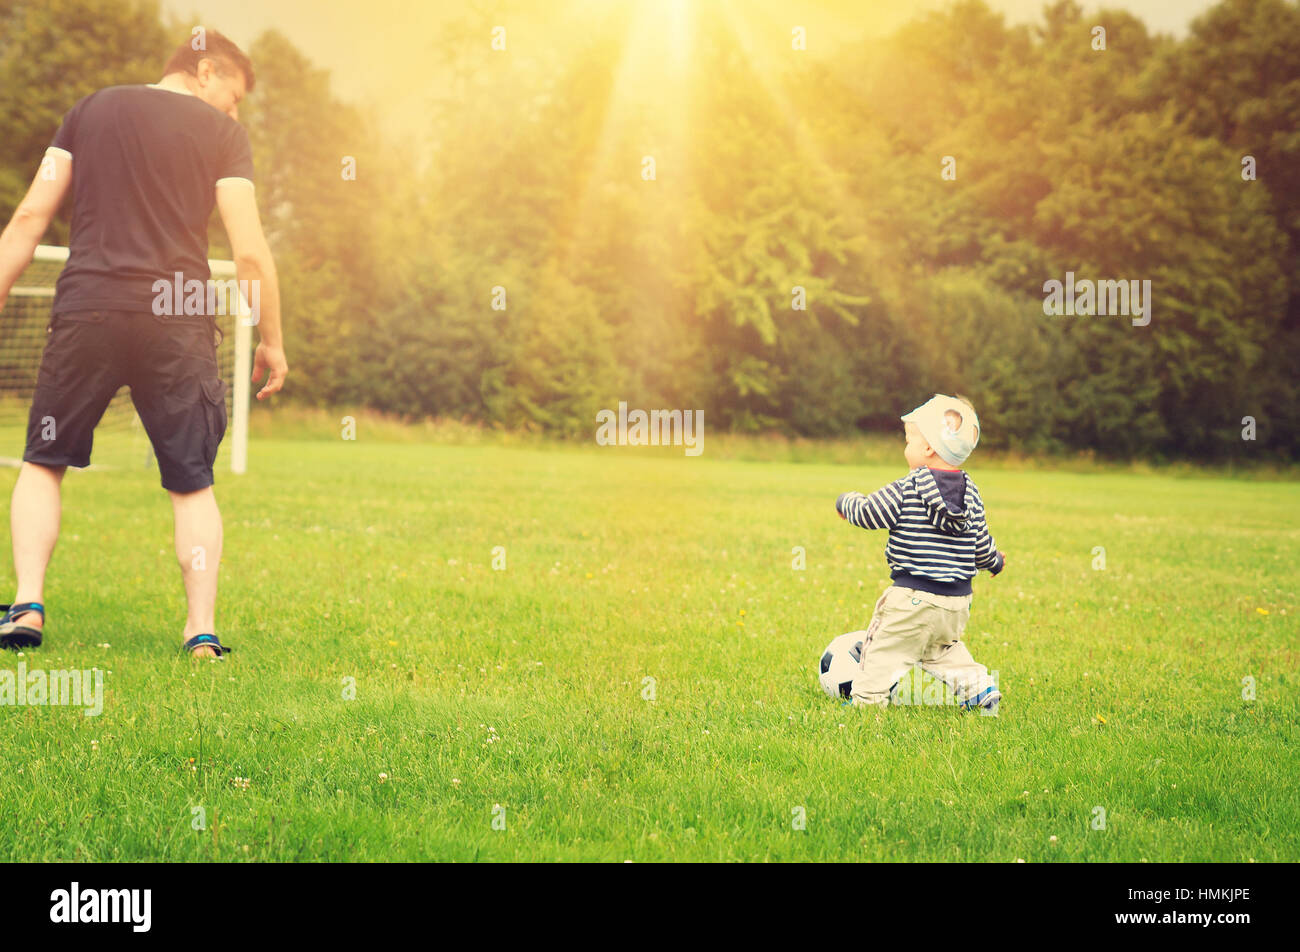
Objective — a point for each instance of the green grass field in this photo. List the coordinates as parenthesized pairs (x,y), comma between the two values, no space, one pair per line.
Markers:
(525,687)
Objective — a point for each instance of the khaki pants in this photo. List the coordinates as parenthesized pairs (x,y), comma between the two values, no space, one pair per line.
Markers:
(911,626)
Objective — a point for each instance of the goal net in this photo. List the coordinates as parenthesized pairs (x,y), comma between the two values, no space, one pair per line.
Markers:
(120,440)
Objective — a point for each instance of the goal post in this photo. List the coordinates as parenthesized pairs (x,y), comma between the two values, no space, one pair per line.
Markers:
(241,391)
(119,439)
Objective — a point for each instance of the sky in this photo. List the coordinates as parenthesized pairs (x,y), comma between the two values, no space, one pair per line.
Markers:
(381,52)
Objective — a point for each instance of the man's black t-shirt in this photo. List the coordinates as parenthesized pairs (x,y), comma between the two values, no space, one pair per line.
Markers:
(145,166)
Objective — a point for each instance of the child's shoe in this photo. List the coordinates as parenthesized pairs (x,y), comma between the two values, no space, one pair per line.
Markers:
(986,702)
(894,698)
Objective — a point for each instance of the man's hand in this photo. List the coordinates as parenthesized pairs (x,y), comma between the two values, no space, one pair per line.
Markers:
(271,360)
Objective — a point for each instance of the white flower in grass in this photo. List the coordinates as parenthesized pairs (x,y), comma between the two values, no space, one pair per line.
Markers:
(383,777)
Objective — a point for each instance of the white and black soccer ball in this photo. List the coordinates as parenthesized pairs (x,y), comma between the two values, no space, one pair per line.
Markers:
(840,663)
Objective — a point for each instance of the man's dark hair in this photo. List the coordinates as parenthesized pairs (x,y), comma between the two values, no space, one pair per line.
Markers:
(215,47)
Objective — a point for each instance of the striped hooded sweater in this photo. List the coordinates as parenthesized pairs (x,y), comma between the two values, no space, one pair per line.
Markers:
(938,538)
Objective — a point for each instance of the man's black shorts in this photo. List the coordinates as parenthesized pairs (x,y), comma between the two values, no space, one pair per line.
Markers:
(170,364)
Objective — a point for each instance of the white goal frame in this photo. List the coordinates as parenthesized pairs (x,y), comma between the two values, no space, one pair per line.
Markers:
(243,369)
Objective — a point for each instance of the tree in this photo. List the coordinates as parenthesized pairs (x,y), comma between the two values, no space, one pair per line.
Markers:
(53,53)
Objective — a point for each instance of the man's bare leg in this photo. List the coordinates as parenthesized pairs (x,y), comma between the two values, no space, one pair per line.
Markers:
(198,549)
(34,515)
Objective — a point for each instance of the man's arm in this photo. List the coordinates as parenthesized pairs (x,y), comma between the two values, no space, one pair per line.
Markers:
(878,511)
(34,213)
(237,203)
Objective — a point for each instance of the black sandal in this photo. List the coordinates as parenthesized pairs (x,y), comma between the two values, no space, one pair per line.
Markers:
(206,641)
(16,636)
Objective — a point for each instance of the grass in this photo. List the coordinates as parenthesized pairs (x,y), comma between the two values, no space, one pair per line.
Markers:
(524,687)
(1257,461)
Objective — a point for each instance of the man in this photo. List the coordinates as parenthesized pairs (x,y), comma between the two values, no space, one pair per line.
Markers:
(146,165)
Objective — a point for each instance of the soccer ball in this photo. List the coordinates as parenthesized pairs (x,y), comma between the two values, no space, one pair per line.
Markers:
(839,664)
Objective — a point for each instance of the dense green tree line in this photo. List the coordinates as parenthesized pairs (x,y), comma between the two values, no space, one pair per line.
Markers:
(822,175)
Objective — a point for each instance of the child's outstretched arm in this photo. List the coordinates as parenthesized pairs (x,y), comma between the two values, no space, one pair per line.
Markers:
(878,511)
(987,555)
